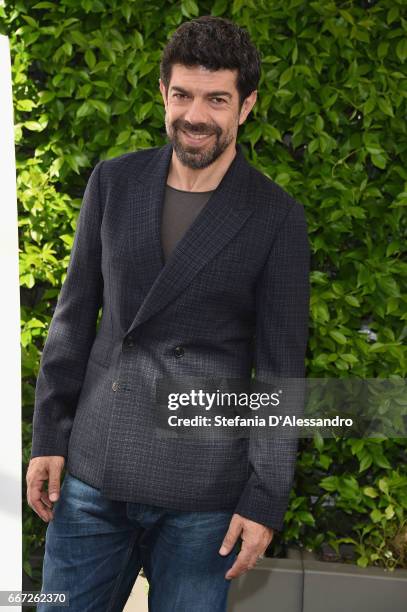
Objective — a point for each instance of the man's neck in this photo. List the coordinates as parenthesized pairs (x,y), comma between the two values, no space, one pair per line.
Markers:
(202,179)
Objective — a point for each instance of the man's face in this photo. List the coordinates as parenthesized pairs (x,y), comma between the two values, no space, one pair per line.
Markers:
(202,113)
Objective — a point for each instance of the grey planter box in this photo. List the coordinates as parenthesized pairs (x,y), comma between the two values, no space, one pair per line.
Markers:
(273,585)
(302,583)
(335,587)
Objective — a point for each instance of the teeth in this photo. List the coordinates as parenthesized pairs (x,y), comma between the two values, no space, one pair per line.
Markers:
(196,136)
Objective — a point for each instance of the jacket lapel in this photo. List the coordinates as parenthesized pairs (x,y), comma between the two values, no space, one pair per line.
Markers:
(220,219)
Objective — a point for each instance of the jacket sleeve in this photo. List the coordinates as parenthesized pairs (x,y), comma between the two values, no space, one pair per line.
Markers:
(71,332)
(282,313)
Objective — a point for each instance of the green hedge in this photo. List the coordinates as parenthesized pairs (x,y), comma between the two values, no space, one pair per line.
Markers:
(329,126)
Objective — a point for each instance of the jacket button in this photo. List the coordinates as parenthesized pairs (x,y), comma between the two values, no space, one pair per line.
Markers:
(129,341)
(179,351)
(115,385)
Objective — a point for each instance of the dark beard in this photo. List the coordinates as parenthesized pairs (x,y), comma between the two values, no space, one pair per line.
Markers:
(193,157)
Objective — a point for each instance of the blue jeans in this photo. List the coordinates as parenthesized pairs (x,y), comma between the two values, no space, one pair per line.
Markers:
(95,548)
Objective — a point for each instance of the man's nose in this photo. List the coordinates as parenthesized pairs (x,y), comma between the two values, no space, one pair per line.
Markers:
(195,113)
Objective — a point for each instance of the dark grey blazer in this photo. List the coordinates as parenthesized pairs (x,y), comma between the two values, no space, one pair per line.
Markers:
(233,295)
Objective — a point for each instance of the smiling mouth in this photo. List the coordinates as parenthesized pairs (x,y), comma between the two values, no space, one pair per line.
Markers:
(196,137)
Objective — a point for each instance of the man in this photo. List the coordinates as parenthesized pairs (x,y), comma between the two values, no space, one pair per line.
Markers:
(200,264)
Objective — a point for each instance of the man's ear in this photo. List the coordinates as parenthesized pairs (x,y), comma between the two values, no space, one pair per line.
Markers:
(163,92)
(247,106)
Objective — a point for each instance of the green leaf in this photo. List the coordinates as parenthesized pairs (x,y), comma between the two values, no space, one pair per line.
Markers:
(28,568)
(392,305)
(138,39)
(393,14)
(35,323)
(319,124)
(219,7)
(401,49)
(84,110)
(325,461)
(370,492)
(369,105)
(330,483)
(44,5)
(389,512)
(352,300)
(126,11)
(362,561)
(379,161)
(322,312)
(375,515)
(297,502)
(388,285)
(318,441)
(100,106)
(296,109)
(350,358)
(381,461)
(374,149)
(145,110)
(285,77)
(25,105)
(34,126)
(189,8)
(338,336)
(90,58)
(272,132)
(382,49)
(30,21)
(347,16)
(365,462)
(305,517)
(385,106)
(393,247)
(46,96)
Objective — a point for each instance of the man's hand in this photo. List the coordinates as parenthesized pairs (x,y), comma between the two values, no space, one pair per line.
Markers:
(255,537)
(40,470)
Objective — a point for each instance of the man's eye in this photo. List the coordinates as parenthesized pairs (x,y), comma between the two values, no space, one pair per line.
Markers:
(180,94)
(218,100)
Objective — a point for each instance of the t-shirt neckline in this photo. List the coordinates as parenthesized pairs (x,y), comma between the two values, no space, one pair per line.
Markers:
(193,192)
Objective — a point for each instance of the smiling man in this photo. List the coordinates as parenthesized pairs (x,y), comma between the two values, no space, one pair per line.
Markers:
(203,113)
(200,264)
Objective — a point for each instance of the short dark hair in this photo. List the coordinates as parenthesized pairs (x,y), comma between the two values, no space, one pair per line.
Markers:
(216,44)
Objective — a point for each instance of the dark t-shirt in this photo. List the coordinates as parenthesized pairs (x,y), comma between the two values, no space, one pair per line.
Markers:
(180,210)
